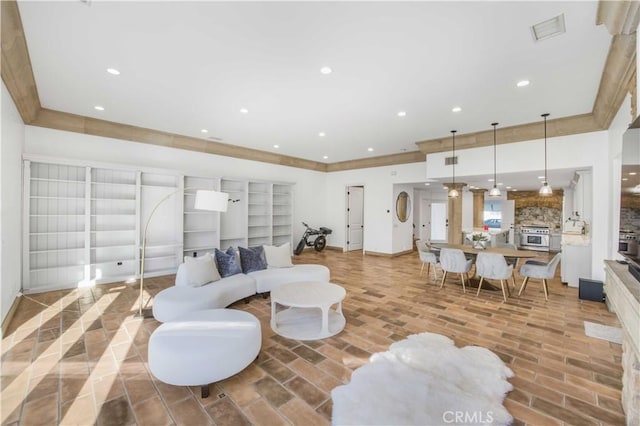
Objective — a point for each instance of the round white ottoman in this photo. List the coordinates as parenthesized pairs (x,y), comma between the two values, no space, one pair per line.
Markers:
(204,347)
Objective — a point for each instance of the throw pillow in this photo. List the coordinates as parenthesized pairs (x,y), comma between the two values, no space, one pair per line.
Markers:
(201,270)
(278,257)
(227,262)
(252,259)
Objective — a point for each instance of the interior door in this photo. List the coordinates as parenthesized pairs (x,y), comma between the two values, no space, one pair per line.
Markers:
(509,218)
(355,217)
(439,222)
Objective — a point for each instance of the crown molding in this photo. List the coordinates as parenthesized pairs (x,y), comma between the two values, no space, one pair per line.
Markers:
(620,17)
(382,160)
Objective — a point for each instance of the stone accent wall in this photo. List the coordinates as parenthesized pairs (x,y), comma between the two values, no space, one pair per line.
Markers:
(549,216)
(630,219)
(630,383)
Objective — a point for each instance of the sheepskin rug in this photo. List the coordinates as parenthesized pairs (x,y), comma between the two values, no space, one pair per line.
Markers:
(425,380)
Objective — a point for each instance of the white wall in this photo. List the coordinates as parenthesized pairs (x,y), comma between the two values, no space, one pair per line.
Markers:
(10,202)
(379,203)
(309,198)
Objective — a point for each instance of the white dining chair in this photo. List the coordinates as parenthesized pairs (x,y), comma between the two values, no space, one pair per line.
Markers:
(427,257)
(540,270)
(513,261)
(493,266)
(453,260)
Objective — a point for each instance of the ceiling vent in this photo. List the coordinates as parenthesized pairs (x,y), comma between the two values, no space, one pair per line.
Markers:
(549,28)
(450,160)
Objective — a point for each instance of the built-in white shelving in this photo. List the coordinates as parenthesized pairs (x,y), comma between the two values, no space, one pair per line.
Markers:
(86,224)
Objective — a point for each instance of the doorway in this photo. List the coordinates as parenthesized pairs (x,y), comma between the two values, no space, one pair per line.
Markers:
(355,218)
(439,222)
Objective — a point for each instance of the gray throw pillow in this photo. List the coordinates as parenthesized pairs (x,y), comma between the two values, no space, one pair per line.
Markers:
(227,262)
(252,259)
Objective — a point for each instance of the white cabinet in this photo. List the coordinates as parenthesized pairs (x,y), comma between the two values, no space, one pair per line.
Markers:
(575,263)
(582,195)
(555,240)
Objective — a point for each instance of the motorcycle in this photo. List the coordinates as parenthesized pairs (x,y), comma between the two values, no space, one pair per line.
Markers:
(315,238)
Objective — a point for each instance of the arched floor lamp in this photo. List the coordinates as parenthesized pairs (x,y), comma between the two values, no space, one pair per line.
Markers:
(206,199)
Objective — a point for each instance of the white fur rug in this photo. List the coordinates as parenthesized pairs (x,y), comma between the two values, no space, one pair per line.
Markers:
(425,380)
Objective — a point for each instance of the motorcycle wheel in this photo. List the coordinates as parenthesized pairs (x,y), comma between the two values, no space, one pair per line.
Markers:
(320,243)
(299,247)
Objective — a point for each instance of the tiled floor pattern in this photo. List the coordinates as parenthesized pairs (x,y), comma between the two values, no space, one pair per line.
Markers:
(83,359)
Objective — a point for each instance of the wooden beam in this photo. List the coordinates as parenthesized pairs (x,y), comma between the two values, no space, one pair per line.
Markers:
(620,17)
(383,160)
(17,72)
(92,126)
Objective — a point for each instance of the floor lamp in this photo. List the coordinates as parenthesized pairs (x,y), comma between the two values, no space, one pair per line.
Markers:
(206,199)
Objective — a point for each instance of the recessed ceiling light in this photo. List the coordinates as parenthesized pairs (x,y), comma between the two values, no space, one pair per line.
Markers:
(625,178)
(244,110)
(490,180)
(632,173)
(276,146)
(500,183)
(322,134)
(427,184)
(402,113)
(325,156)
(204,131)
(326,70)
(523,83)
(514,190)
(456,109)
(508,187)
(370,149)
(113,71)
(99,108)
(540,177)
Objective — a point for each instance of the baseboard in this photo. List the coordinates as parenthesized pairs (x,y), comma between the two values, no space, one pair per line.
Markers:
(10,314)
(400,253)
(334,248)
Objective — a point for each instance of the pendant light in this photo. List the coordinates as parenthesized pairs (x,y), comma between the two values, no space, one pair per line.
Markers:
(495,191)
(545,189)
(453,192)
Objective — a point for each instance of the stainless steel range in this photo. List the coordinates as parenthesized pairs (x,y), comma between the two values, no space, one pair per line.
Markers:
(534,238)
(628,243)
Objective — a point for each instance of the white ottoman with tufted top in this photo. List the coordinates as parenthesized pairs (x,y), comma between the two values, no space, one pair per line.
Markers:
(204,347)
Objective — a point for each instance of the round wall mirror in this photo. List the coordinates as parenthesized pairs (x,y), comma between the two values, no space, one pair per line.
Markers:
(403,206)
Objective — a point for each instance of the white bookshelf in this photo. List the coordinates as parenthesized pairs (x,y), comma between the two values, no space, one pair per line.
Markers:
(164,243)
(54,243)
(84,224)
(200,228)
(233,222)
(282,214)
(113,216)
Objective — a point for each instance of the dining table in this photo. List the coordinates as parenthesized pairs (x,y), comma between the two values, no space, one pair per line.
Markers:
(473,251)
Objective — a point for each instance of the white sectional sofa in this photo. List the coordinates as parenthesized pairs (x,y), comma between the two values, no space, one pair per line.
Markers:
(180,299)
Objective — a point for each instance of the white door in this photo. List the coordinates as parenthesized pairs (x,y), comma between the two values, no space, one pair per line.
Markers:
(439,222)
(425,219)
(355,217)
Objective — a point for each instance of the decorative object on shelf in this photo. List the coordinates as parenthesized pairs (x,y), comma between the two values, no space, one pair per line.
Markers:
(545,189)
(206,199)
(495,191)
(479,239)
(453,192)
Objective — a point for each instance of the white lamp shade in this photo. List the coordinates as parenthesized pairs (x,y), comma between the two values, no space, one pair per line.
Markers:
(545,189)
(495,192)
(211,200)
(453,193)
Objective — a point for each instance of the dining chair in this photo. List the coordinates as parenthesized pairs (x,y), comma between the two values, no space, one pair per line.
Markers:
(428,257)
(453,260)
(540,270)
(493,266)
(513,261)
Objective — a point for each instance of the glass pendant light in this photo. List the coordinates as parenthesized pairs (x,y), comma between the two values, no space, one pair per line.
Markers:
(545,189)
(495,191)
(453,193)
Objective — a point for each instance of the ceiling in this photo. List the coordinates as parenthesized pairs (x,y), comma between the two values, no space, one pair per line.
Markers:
(188,66)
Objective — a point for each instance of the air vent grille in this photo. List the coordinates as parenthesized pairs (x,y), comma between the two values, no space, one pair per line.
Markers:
(448,161)
(549,28)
